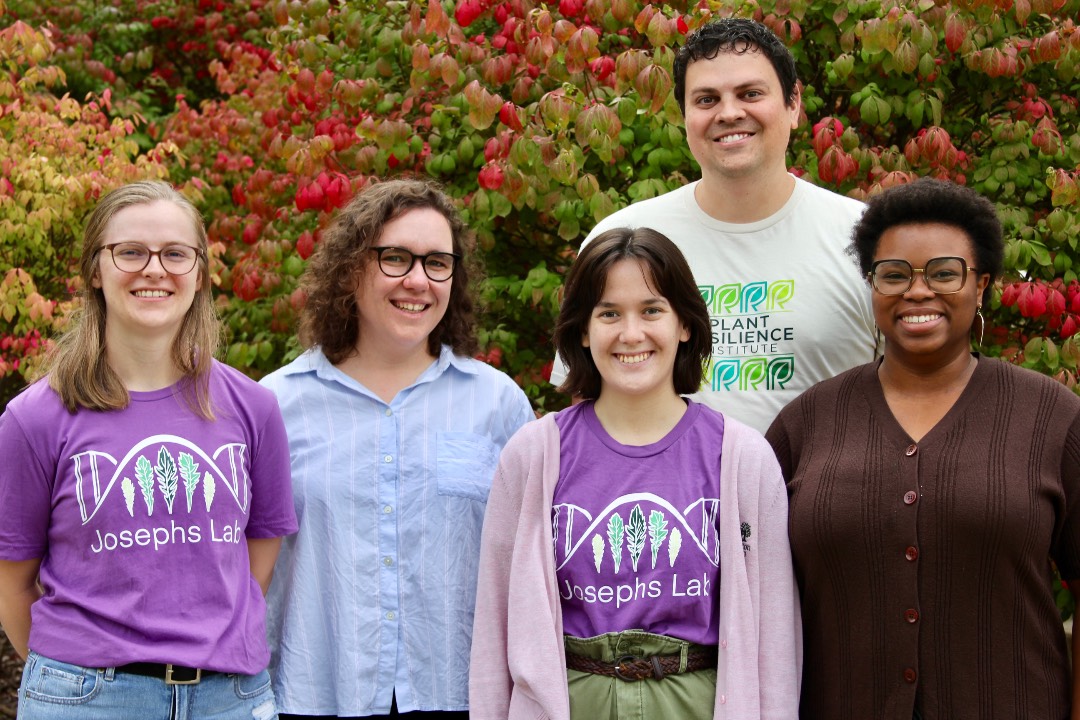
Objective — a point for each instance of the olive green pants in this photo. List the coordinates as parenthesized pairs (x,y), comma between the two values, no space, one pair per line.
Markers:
(686,696)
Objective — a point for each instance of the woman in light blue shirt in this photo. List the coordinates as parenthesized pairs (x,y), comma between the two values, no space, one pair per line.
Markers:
(394,433)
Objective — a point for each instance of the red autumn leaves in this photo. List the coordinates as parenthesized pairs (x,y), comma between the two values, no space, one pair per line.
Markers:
(326,192)
(1055,303)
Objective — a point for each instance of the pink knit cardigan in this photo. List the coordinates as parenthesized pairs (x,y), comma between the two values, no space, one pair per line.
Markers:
(518,669)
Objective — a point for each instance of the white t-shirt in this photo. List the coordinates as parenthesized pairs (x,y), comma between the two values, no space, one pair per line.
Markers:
(788,303)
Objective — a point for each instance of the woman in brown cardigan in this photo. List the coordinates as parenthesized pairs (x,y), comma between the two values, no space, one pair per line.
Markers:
(930,490)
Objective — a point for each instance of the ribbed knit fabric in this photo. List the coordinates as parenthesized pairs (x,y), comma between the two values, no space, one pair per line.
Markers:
(924,568)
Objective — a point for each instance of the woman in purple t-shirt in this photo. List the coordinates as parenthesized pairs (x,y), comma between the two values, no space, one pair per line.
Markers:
(145,489)
(635,560)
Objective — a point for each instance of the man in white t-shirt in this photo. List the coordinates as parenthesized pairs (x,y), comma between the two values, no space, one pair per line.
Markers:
(768,250)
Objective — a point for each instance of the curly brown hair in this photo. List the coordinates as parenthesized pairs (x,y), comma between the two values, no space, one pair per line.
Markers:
(330,318)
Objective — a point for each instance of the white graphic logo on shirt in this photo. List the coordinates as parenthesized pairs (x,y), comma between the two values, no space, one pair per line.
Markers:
(750,338)
(158,472)
(622,531)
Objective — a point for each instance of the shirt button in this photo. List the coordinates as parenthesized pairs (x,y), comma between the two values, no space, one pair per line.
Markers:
(388,561)
(389,412)
(911,450)
(910,497)
(388,458)
(390,615)
(912,553)
(387,509)
(723,699)
(910,675)
(911,615)
(723,644)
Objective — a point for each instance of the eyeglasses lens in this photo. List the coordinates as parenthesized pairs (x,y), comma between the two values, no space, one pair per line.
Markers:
(133,257)
(395,262)
(943,275)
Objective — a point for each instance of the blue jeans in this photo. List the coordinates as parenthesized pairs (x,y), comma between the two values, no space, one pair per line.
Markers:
(53,690)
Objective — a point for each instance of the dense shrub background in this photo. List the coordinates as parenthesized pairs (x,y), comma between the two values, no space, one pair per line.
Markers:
(539,118)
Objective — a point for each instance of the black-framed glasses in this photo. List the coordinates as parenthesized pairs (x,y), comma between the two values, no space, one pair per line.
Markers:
(943,275)
(398,262)
(133,257)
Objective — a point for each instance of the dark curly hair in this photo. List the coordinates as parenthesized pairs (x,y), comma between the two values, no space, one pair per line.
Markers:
(330,316)
(669,275)
(927,200)
(739,36)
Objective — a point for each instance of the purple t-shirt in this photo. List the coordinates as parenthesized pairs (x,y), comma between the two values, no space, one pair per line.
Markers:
(635,528)
(141,518)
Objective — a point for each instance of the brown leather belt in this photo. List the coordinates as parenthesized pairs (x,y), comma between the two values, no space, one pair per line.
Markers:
(632,668)
(171,674)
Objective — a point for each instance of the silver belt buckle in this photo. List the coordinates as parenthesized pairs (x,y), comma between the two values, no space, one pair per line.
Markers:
(169,677)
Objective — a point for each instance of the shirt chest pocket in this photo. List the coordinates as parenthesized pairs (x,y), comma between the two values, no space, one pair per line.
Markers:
(466,464)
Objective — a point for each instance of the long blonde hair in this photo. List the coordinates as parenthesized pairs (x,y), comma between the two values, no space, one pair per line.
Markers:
(78,369)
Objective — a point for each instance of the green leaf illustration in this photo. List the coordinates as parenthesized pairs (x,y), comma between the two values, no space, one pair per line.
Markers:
(189,470)
(673,546)
(615,538)
(166,473)
(144,473)
(635,535)
(208,488)
(597,551)
(657,533)
(129,495)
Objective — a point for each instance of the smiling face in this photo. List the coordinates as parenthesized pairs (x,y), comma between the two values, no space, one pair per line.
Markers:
(921,328)
(634,335)
(152,302)
(398,313)
(738,122)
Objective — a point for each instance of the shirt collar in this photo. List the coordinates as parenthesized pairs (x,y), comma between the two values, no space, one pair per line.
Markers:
(314,361)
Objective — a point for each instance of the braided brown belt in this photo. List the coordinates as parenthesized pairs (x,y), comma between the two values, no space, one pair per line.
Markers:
(632,668)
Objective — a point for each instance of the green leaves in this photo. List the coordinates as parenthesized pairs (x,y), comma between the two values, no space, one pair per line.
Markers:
(144,473)
(657,533)
(977,93)
(166,474)
(616,532)
(635,535)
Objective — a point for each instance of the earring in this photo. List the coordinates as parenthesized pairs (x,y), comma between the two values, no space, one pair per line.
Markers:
(982,323)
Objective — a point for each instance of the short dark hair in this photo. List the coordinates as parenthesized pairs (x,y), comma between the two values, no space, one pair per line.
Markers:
(927,200)
(734,35)
(330,318)
(671,278)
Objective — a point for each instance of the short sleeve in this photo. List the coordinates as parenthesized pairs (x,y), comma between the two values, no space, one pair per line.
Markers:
(273,513)
(25,493)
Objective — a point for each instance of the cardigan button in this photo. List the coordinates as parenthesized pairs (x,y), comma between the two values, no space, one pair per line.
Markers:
(912,553)
(910,675)
(911,615)
(910,497)
(911,450)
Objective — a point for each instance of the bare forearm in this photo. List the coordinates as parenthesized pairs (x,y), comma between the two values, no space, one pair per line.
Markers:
(18,591)
(262,554)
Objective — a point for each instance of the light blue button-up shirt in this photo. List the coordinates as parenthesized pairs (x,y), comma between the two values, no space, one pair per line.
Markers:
(375,594)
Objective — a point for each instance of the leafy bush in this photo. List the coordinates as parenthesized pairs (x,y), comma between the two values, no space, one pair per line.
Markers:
(541,119)
(57,156)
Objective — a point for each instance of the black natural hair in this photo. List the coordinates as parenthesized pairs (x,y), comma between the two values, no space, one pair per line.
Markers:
(925,201)
(734,35)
